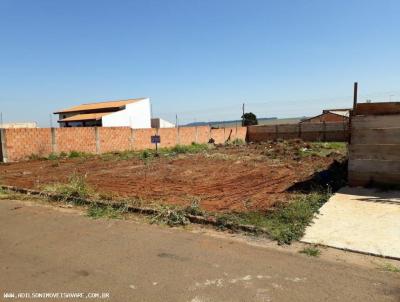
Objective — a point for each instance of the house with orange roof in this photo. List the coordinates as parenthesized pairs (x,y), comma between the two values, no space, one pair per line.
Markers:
(134,113)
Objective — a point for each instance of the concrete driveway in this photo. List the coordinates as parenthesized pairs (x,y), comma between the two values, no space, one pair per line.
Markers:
(359,219)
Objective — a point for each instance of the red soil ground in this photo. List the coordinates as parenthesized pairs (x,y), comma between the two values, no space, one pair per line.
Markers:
(226,178)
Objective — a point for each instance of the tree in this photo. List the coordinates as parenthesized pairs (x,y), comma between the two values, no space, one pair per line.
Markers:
(249,119)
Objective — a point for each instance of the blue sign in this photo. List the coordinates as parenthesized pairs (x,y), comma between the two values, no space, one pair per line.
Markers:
(155,139)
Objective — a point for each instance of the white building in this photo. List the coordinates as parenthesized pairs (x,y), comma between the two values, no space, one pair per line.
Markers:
(19,125)
(134,113)
(160,123)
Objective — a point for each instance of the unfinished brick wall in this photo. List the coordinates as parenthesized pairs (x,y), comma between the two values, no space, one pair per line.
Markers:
(222,134)
(75,139)
(141,138)
(20,144)
(26,142)
(114,139)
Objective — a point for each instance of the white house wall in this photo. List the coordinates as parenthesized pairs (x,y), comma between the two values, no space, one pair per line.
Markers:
(136,115)
(166,124)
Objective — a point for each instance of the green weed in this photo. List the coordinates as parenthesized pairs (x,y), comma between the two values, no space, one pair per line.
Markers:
(388,267)
(78,154)
(238,142)
(53,156)
(193,148)
(194,207)
(34,157)
(149,154)
(76,187)
(171,216)
(96,211)
(311,251)
(287,222)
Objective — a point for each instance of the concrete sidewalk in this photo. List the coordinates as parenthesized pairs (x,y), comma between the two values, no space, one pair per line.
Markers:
(361,220)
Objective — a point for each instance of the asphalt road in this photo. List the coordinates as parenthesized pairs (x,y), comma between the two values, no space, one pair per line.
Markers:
(45,250)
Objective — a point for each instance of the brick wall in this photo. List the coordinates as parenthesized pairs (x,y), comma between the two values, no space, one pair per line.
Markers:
(20,144)
(75,139)
(23,142)
(114,139)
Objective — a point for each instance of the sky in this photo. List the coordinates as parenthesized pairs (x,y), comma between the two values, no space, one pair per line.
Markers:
(198,59)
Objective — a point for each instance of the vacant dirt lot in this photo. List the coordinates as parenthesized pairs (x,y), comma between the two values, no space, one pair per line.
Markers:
(223,178)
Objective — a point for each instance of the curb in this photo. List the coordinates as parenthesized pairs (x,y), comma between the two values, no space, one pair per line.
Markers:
(142,210)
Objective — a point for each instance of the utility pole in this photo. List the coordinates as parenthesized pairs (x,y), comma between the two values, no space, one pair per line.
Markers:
(176,121)
(51,120)
(243,115)
(355,95)
(1,119)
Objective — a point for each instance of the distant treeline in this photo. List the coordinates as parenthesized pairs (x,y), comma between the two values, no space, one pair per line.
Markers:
(261,121)
(226,123)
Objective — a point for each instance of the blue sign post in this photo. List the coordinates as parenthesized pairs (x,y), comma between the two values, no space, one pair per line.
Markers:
(156,139)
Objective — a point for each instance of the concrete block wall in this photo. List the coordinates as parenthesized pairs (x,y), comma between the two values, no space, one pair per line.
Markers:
(20,144)
(306,131)
(374,150)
